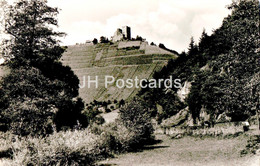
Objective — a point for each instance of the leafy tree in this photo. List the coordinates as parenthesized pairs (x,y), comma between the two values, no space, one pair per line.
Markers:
(137,119)
(162,46)
(226,87)
(223,67)
(103,39)
(38,83)
(242,62)
(121,102)
(139,38)
(95,41)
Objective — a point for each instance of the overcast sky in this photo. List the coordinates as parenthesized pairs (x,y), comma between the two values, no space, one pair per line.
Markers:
(171,22)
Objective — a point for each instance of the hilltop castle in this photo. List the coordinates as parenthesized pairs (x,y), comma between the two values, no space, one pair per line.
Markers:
(122,34)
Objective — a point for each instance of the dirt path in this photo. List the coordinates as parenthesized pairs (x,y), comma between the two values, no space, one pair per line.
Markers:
(189,151)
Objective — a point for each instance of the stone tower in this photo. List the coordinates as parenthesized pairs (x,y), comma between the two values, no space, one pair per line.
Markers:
(122,34)
(126,32)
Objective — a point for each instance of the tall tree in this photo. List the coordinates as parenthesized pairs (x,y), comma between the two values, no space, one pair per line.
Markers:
(233,79)
(38,82)
(193,48)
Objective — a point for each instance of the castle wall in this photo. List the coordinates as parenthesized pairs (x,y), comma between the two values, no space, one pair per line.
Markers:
(126,44)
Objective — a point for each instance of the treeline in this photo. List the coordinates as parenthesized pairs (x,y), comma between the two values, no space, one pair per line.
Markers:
(223,69)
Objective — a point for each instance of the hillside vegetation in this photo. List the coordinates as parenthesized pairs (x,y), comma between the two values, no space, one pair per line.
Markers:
(122,60)
(223,70)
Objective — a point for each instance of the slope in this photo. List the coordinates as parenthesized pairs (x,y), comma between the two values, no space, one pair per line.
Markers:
(122,60)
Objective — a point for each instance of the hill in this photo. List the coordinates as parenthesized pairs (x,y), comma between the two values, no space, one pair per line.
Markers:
(122,60)
(220,74)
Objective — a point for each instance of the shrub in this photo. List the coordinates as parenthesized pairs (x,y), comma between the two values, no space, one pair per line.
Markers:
(99,120)
(107,110)
(137,120)
(112,107)
(78,147)
(253,144)
(129,132)
(121,102)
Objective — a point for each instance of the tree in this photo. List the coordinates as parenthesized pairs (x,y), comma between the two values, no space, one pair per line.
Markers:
(231,85)
(162,46)
(241,64)
(121,102)
(103,39)
(193,48)
(38,83)
(223,68)
(204,42)
(139,38)
(95,41)
(136,118)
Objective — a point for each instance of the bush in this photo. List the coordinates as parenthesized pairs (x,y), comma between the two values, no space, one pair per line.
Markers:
(99,120)
(107,110)
(253,144)
(78,147)
(26,102)
(121,102)
(129,132)
(112,107)
(137,120)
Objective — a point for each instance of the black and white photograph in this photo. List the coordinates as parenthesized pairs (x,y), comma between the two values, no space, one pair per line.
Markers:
(129,83)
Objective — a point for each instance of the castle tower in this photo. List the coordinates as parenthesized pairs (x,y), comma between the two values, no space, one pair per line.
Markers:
(122,34)
(126,32)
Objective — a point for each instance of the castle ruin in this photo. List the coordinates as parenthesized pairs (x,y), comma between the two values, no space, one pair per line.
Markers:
(122,34)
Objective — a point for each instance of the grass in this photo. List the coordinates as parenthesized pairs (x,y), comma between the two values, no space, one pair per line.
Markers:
(207,151)
(85,147)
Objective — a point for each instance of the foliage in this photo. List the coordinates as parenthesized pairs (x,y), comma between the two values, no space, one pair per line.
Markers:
(78,147)
(137,119)
(225,132)
(83,147)
(32,40)
(39,91)
(233,70)
(103,40)
(121,103)
(223,68)
(253,144)
(95,41)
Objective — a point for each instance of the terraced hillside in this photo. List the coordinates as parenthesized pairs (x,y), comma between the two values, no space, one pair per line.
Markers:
(122,60)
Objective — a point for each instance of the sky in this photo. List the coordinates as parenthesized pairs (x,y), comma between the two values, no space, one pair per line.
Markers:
(171,22)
